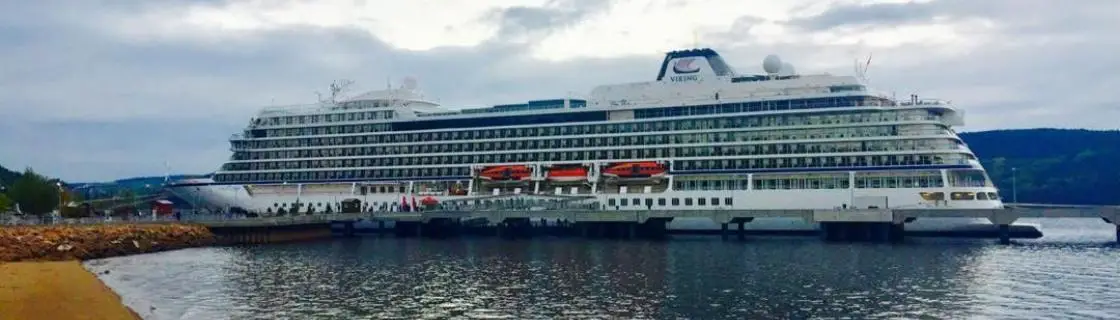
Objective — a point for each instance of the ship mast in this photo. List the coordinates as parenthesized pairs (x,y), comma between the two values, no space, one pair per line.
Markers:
(337,87)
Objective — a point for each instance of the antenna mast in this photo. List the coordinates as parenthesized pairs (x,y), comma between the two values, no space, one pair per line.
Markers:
(167,173)
(338,87)
(861,68)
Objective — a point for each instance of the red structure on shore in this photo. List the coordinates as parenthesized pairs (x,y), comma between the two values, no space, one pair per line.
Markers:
(162,207)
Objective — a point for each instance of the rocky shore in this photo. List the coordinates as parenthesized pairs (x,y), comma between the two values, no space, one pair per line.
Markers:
(64,242)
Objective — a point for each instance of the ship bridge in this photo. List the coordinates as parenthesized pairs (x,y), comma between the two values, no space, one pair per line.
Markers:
(690,65)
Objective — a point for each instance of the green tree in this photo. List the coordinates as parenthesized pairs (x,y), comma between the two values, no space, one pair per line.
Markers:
(78,210)
(5,203)
(34,193)
(126,196)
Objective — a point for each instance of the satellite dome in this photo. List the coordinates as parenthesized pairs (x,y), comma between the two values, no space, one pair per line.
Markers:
(787,69)
(772,64)
(409,83)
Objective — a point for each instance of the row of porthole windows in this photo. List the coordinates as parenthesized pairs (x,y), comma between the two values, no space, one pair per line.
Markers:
(324,118)
(742,135)
(378,135)
(764,142)
(661,202)
(685,165)
(608,154)
(960,196)
(838,181)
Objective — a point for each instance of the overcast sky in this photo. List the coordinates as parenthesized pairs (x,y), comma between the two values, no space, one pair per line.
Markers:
(100,90)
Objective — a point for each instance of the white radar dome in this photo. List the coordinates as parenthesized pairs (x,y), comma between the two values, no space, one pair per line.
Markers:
(772,64)
(409,83)
(787,69)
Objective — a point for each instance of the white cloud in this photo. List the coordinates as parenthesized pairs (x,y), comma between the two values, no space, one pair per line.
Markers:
(411,25)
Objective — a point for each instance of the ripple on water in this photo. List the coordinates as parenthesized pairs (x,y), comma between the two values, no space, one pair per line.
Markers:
(390,278)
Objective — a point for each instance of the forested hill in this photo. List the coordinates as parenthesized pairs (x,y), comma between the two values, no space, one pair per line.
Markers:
(1059,166)
(7,177)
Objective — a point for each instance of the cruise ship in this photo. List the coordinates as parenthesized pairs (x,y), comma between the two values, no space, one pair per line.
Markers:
(698,137)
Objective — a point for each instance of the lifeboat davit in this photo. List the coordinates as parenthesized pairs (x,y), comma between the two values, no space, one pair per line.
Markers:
(506,173)
(567,173)
(647,169)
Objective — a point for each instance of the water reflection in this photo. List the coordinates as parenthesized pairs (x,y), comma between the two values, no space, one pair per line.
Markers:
(687,277)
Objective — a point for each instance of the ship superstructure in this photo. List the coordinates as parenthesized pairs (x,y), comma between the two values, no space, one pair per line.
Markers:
(700,136)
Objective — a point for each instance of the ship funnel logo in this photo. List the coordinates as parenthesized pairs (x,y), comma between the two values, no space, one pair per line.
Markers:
(685,65)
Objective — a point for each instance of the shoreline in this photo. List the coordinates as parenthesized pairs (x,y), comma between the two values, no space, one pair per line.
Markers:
(87,242)
(43,275)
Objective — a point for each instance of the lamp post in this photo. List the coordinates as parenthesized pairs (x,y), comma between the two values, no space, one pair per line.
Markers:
(60,198)
(1015,185)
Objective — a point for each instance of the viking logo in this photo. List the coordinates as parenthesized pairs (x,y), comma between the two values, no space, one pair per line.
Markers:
(685,65)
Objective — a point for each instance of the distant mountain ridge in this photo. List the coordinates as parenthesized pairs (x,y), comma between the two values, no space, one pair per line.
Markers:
(1058,166)
(137,185)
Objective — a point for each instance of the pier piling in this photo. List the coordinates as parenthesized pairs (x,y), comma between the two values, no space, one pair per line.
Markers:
(1004,234)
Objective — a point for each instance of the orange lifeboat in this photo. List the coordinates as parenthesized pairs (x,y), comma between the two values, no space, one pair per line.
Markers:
(506,173)
(567,173)
(635,170)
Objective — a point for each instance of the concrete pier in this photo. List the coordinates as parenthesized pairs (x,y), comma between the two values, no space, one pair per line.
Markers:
(874,225)
(271,234)
(834,224)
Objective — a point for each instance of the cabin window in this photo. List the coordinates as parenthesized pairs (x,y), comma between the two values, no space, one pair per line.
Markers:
(993,196)
(963,196)
(688,201)
(702,201)
(611,202)
(932,196)
(715,201)
(727,201)
(981,196)
(676,201)
(661,202)
(625,202)
(637,202)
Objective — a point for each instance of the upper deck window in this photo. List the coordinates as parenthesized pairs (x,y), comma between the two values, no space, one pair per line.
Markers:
(846,88)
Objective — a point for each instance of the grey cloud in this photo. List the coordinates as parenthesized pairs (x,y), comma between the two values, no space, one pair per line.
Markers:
(536,21)
(1013,16)
(873,14)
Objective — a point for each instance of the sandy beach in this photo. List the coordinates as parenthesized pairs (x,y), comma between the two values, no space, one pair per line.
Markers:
(56,290)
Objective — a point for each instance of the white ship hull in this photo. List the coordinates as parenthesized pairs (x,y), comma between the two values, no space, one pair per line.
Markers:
(215,198)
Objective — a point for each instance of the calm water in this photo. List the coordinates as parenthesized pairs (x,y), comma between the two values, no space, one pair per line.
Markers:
(1073,273)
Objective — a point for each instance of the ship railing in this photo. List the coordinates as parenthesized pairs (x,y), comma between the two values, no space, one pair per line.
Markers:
(779,100)
(297,109)
(925,102)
